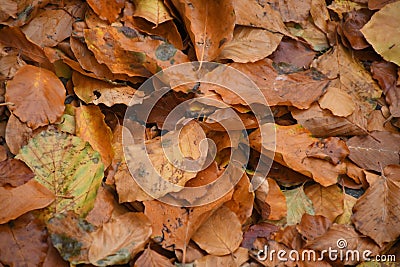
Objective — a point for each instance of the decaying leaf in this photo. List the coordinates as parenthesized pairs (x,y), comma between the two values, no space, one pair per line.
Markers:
(38,96)
(377,212)
(220,238)
(382,32)
(313,226)
(375,151)
(23,242)
(119,240)
(24,198)
(67,166)
(338,102)
(107,10)
(14,172)
(297,204)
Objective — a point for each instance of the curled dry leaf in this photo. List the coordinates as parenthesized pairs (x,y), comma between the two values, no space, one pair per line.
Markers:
(250,45)
(119,240)
(289,151)
(220,238)
(272,201)
(38,96)
(375,151)
(237,258)
(91,127)
(260,230)
(297,204)
(203,21)
(327,201)
(14,172)
(23,242)
(383,34)
(17,201)
(150,258)
(67,166)
(49,27)
(377,211)
(353,22)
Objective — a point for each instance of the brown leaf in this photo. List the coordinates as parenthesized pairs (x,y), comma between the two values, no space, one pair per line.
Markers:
(107,10)
(23,242)
(96,91)
(352,24)
(91,127)
(353,78)
(375,151)
(377,211)
(386,75)
(17,201)
(70,235)
(327,201)
(290,144)
(337,101)
(17,134)
(294,53)
(347,238)
(255,231)
(174,226)
(294,11)
(313,226)
(150,258)
(153,11)
(332,149)
(14,172)
(14,37)
(276,201)
(49,27)
(299,89)
(255,14)
(221,234)
(207,31)
(322,123)
(242,199)
(119,240)
(250,45)
(38,96)
(237,258)
(349,203)
(53,258)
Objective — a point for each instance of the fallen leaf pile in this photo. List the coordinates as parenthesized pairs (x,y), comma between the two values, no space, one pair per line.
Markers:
(77,189)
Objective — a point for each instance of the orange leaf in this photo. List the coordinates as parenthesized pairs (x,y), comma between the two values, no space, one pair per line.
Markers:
(17,201)
(90,126)
(38,96)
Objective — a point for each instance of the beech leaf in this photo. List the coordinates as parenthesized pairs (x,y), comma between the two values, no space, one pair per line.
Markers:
(67,166)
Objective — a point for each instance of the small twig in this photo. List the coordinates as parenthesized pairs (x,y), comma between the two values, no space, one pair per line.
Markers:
(7,104)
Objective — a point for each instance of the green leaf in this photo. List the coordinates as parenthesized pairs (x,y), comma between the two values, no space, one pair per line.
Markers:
(67,166)
(297,203)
